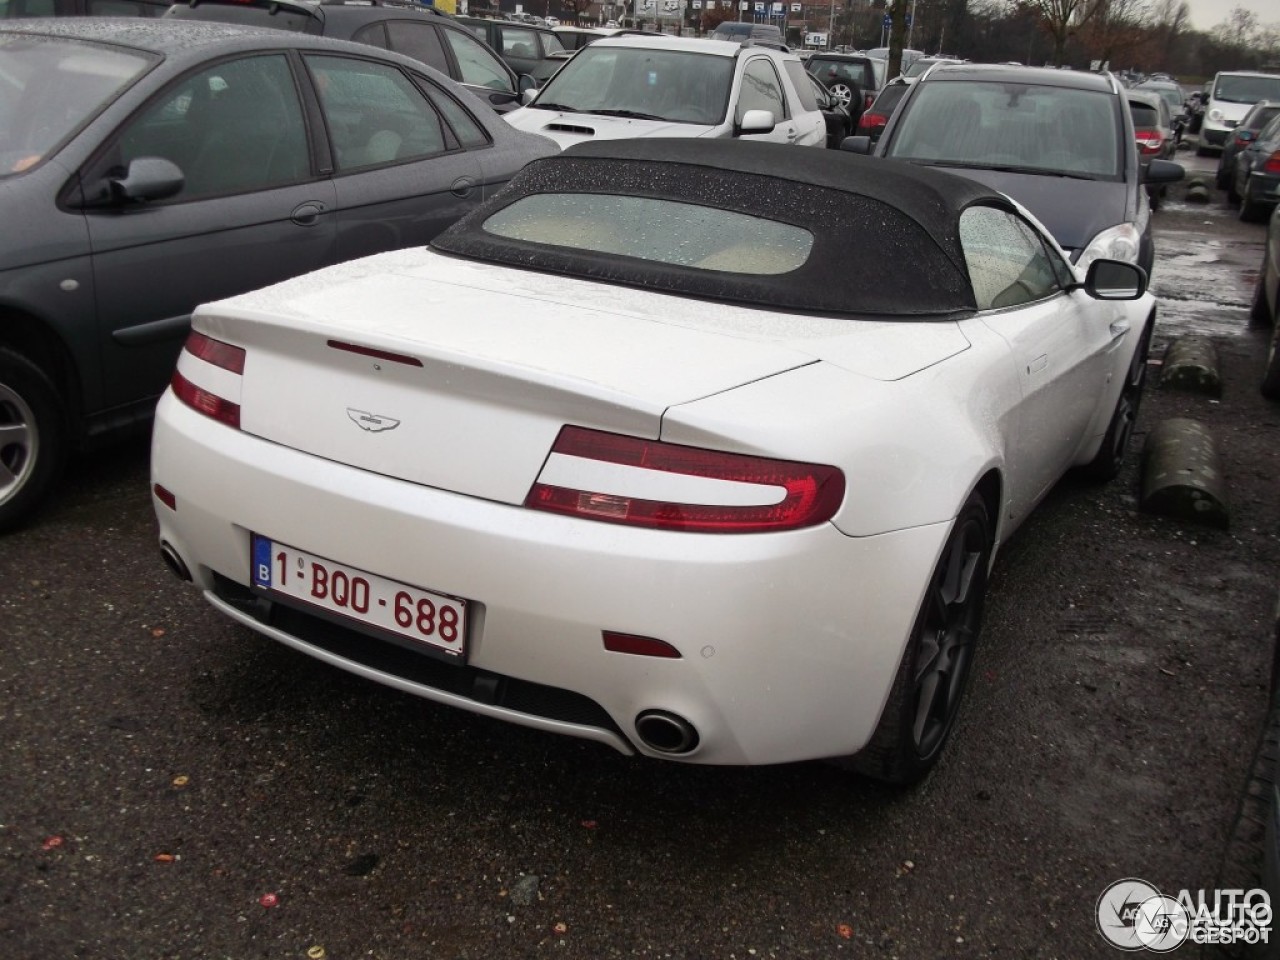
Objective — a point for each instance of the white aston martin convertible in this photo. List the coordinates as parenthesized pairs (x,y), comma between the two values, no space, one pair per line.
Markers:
(701,450)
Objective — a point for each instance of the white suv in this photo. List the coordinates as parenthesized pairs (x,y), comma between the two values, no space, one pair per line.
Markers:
(660,86)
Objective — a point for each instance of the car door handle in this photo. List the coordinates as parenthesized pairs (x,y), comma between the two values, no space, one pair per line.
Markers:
(307,214)
(1119,329)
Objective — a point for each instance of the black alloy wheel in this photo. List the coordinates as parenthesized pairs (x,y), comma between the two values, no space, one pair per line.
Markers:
(925,700)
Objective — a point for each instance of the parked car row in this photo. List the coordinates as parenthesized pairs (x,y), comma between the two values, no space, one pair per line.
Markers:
(154,166)
(451,468)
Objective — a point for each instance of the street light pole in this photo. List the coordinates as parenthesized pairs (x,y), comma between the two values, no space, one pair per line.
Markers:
(831,24)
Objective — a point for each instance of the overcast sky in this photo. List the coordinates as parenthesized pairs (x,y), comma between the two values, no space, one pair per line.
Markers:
(1207,14)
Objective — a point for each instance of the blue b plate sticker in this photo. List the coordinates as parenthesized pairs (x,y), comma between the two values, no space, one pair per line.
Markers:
(261,562)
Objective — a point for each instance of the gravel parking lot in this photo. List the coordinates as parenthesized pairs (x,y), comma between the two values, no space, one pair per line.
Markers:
(176,787)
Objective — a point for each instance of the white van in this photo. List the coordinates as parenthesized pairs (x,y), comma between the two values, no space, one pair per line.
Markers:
(1230,97)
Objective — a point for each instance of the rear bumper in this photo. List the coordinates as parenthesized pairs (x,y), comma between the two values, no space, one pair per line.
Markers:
(789,642)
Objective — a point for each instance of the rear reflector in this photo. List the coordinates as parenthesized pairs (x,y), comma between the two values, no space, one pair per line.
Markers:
(640,646)
(165,496)
(647,483)
(1273,163)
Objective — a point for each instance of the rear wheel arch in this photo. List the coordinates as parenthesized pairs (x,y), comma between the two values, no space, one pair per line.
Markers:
(990,487)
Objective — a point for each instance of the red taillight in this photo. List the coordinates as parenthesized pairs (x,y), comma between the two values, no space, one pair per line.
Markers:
(1149,141)
(757,495)
(200,398)
(1272,164)
(220,354)
(872,122)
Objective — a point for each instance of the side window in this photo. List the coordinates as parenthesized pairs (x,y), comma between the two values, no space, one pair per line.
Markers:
(803,84)
(375,35)
(465,127)
(519,43)
(232,128)
(417,40)
(761,90)
(1008,264)
(477,64)
(374,112)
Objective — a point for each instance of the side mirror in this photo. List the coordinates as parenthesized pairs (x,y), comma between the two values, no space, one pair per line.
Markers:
(755,122)
(1246,136)
(859,144)
(147,179)
(526,84)
(1162,171)
(1115,280)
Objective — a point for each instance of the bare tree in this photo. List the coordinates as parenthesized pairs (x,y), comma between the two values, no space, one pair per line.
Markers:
(1239,29)
(1116,27)
(1062,19)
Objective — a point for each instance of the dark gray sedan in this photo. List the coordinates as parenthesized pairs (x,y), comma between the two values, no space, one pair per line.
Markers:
(1060,142)
(147,166)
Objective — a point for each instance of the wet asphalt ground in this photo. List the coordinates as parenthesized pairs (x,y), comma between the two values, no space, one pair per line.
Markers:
(173,786)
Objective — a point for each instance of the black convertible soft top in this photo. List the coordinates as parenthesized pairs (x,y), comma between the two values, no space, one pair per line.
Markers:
(886,233)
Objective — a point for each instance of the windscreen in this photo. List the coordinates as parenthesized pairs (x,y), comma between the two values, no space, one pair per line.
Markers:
(648,84)
(50,87)
(1011,126)
(1238,88)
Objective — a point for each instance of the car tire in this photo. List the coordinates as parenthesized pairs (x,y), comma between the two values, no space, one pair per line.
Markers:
(1251,211)
(33,437)
(925,699)
(1221,179)
(1259,312)
(1271,376)
(1115,444)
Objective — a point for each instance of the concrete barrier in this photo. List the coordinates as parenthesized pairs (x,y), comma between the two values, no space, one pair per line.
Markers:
(1191,363)
(1198,191)
(1182,475)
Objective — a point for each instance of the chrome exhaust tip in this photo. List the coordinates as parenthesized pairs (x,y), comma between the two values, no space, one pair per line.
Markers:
(666,732)
(174,562)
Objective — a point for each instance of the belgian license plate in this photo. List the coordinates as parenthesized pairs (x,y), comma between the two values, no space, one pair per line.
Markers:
(419,615)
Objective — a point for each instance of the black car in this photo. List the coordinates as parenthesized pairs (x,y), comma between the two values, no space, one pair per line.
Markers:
(1255,184)
(876,117)
(835,113)
(149,165)
(1060,142)
(1266,305)
(1244,133)
(528,49)
(847,76)
(422,33)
